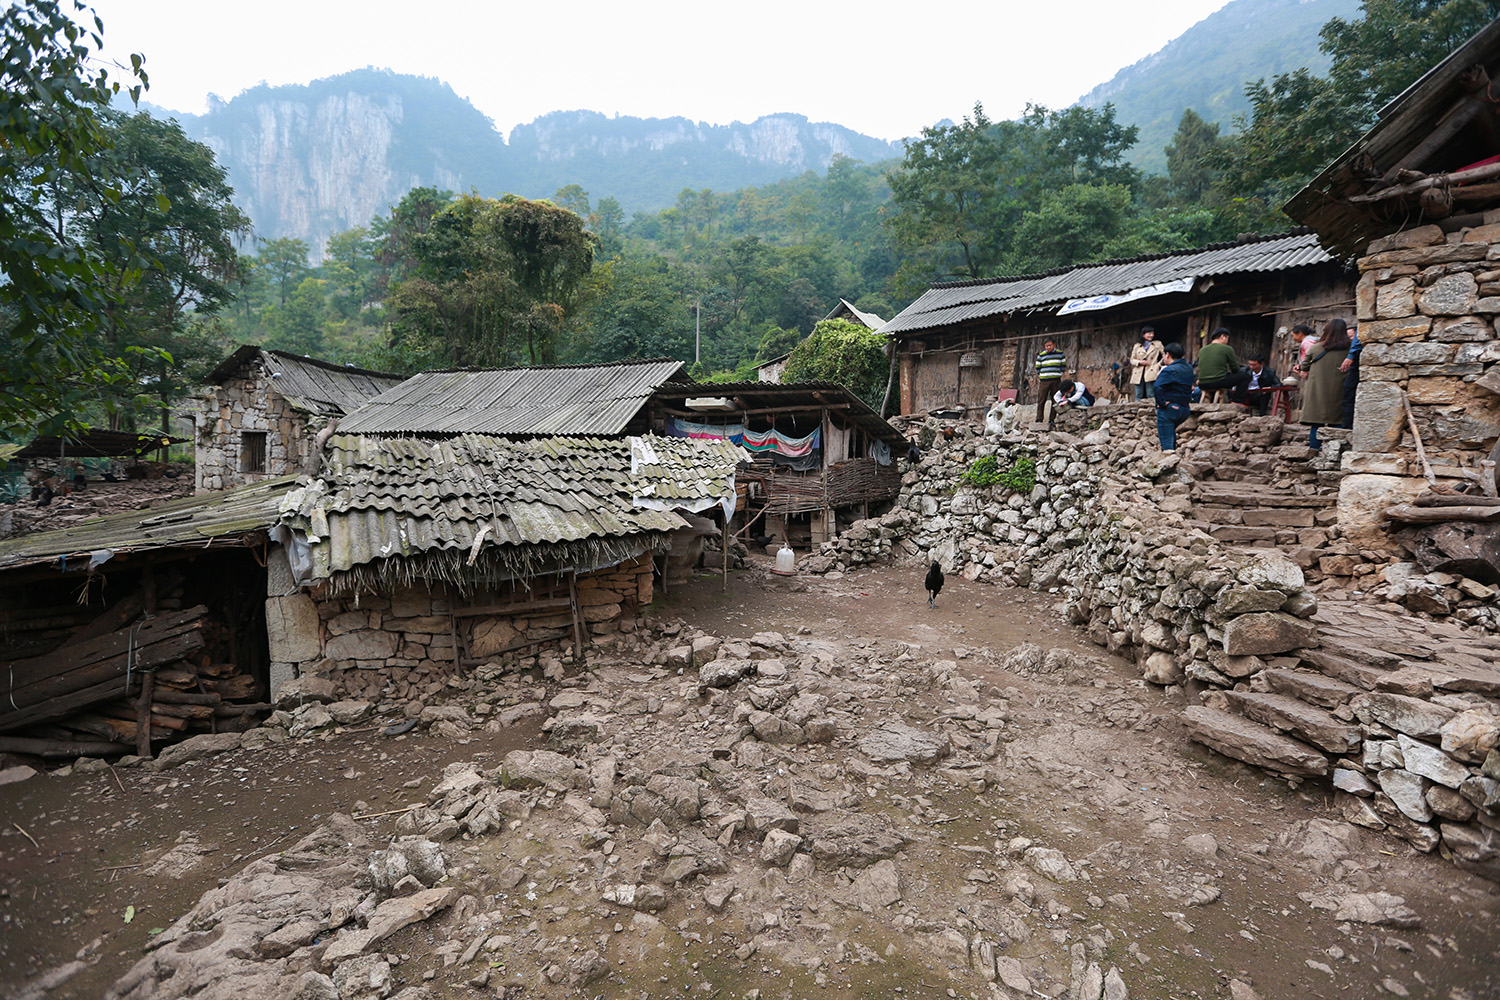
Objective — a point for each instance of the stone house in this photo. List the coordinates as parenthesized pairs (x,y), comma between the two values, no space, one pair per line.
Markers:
(1416,203)
(260,413)
(403,563)
(963,344)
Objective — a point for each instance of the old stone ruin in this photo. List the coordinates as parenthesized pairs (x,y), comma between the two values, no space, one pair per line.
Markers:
(1238,569)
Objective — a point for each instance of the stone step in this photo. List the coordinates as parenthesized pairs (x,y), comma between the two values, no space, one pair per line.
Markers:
(1241,533)
(1261,746)
(1350,671)
(1246,495)
(1313,688)
(1289,715)
(1280,517)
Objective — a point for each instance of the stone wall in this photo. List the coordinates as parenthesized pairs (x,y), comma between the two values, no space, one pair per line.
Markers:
(250,403)
(1427,304)
(401,644)
(1108,528)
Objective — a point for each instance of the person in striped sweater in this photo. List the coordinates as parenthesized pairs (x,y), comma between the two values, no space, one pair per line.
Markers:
(1051,366)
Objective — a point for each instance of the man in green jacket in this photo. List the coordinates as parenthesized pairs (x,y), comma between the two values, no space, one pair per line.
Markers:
(1220,368)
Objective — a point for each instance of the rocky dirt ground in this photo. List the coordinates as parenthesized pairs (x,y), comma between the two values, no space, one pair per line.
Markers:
(844,793)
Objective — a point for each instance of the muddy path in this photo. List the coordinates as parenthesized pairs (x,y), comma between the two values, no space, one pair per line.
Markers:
(1193,870)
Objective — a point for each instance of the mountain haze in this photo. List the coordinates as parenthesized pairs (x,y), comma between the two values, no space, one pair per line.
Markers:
(315,159)
(1206,68)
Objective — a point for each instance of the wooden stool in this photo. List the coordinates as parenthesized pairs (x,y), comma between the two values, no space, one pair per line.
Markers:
(1215,395)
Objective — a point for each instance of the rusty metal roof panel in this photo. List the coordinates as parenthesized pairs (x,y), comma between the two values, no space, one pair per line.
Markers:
(540,400)
(958,302)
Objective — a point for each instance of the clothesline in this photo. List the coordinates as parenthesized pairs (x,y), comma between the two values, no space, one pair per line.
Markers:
(770,440)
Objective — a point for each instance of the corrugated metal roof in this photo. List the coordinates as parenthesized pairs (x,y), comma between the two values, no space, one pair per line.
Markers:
(958,302)
(542,400)
(310,384)
(197,521)
(867,319)
(811,396)
(1404,123)
(381,497)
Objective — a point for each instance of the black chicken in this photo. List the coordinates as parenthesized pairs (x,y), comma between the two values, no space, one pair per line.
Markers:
(934,583)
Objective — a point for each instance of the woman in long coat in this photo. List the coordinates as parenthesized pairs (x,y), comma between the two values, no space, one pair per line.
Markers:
(1323,381)
(1145,364)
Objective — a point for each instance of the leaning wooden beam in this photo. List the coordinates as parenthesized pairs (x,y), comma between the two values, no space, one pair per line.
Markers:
(1471,105)
(1436,180)
(1416,435)
(1455,500)
(1412,514)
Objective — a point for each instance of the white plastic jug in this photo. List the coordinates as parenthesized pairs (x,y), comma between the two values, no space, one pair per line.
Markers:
(786,561)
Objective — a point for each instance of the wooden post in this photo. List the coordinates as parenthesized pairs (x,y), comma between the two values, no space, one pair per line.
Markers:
(724,544)
(143,716)
(578,656)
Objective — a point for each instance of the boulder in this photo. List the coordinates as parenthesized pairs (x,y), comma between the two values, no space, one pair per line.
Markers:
(723,673)
(305,689)
(1268,632)
(1270,570)
(538,768)
(896,741)
(1238,737)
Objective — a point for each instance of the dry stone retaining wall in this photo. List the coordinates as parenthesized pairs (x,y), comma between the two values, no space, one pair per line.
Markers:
(1427,303)
(1105,527)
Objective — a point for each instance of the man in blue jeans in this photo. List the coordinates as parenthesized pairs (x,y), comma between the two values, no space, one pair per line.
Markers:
(1174,390)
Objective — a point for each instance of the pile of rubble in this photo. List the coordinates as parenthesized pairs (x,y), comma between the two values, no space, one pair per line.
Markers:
(793,787)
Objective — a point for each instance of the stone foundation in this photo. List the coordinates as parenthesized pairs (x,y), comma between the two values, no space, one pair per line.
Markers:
(410,641)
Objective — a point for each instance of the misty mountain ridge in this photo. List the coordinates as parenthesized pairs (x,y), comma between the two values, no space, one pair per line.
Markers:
(311,160)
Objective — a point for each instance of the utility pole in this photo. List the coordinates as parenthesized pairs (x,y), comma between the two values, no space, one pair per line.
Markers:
(697,330)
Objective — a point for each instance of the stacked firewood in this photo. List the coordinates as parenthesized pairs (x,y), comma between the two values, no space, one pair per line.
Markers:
(118,686)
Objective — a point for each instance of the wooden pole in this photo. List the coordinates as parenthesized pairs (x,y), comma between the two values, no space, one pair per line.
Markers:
(1436,180)
(143,716)
(1411,421)
(724,544)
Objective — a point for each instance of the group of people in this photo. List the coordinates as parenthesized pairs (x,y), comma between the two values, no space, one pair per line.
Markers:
(1328,366)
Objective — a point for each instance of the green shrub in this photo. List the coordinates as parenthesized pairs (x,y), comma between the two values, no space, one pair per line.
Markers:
(1020,477)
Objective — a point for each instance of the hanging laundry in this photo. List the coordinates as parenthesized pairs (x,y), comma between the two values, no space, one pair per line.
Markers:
(760,441)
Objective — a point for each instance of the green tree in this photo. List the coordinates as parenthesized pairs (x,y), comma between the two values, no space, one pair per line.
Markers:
(1189,175)
(298,324)
(575,199)
(169,239)
(52,141)
(490,282)
(844,352)
(1069,226)
(635,311)
(1298,122)
(283,265)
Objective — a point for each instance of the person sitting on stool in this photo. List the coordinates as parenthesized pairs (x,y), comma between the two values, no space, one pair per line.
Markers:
(1261,377)
(1220,368)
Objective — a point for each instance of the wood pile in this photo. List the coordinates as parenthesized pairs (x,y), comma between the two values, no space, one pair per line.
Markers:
(119,682)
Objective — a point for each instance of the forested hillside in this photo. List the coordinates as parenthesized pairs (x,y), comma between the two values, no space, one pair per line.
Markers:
(1207,67)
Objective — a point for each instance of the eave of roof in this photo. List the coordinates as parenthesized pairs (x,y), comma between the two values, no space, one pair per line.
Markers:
(951,303)
(207,519)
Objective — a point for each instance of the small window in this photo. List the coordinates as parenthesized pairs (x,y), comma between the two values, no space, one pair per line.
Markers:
(253,451)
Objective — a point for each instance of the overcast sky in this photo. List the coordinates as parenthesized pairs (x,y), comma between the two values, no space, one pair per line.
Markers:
(885,70)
